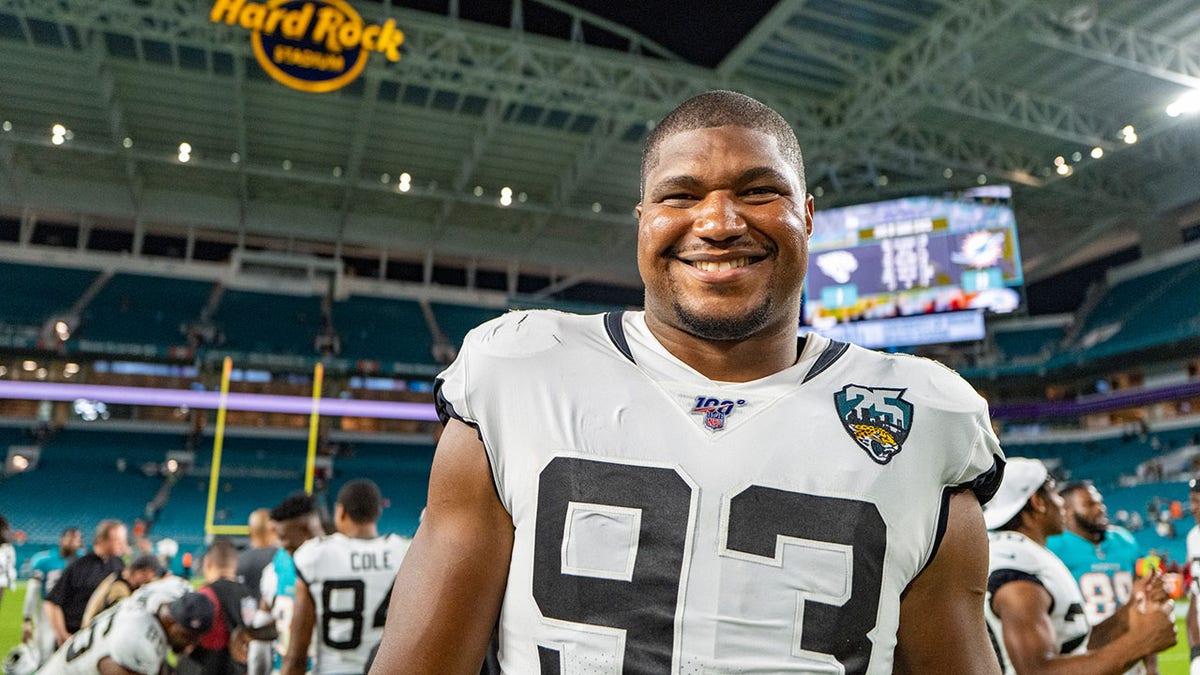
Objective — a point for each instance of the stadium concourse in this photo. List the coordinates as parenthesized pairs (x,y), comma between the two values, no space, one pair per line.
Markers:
(185,185)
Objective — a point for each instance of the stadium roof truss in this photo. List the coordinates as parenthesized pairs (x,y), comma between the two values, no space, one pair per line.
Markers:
(888,98)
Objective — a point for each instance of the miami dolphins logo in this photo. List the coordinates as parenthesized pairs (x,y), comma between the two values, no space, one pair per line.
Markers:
(878,419)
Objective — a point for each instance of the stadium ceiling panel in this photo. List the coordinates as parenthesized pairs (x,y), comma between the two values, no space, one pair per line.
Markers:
(888,98)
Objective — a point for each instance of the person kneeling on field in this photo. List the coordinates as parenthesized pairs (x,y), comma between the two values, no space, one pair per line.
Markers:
(133,638)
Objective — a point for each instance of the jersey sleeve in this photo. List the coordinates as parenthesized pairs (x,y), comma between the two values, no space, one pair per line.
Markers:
(138,645)
(305,559)
(1011,560)
(973,458)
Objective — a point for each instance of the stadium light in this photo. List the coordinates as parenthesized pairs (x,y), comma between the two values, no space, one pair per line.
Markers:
(1097,152)
(1189,103)
(7,126)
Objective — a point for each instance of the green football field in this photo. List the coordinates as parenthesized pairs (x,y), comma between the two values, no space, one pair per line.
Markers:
(1171,662)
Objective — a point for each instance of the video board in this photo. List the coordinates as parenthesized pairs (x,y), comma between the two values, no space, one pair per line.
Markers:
(914,256)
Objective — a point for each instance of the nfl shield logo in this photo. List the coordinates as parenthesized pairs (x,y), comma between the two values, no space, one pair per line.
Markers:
(715,410)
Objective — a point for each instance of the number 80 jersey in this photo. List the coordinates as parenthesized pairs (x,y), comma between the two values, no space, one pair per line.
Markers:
(668,523)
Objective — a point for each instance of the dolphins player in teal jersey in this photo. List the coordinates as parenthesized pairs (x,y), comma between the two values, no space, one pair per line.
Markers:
(1100,555)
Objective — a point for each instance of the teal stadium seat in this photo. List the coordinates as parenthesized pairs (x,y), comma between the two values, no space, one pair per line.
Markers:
(269,323)
(134,308)
(458,320)
(383,329)
(33,294)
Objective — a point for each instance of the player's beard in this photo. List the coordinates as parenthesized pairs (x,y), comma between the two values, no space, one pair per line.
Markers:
(1098,532)
(738,327)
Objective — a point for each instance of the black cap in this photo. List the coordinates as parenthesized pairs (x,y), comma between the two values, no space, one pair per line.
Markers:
(193,611)
(1194,485)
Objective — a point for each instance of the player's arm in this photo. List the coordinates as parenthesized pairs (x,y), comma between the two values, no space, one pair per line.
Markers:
(942,629)
(109,667)
(57,620)
(1024,611)
(447,595)
(1118,624)
(33,595)
(304,617)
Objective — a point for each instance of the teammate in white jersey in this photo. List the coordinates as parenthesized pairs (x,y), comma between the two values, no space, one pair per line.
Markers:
(1193,555)
(343,582)
(132,637)
(296,521)
(1034,608)
(694,489)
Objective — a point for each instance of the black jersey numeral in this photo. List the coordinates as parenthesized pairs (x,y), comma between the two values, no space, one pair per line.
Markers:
(647,605)
(83,641)
(354,614)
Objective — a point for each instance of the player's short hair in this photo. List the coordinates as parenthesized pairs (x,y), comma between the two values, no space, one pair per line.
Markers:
(145,562)
(105,528)
(717,109)
(293,506)
(68,531)
(362,500)
(3,529)
(1074,486)
(222,553)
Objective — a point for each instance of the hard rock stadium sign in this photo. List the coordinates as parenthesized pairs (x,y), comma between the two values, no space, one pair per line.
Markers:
(310,45)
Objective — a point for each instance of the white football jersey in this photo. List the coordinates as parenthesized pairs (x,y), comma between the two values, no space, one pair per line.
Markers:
(159,592)
(1015,557)
(350,581)
(127,633)
(1193,544)
(8,567)
(669,523)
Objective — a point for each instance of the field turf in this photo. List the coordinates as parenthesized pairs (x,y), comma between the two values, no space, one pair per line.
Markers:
(1174,661)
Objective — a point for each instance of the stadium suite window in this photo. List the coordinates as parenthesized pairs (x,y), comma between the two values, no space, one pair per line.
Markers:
(114,241)
(55,234)
(164,246)
(10,229)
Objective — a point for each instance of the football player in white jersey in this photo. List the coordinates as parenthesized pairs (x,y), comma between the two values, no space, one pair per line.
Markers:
(132,637)
(1034,608)
(296,521)
(343,583)
(1193,554)
(693,489)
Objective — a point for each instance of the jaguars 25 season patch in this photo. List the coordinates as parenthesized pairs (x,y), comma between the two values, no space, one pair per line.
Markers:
(877,418)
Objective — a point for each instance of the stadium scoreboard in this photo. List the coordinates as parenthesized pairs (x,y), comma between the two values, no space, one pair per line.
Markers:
(914,257)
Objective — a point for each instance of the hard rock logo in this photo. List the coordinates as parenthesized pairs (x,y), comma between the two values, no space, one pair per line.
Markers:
(310,45)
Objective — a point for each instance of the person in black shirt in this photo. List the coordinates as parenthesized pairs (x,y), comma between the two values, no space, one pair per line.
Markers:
(68,600)
(263,543)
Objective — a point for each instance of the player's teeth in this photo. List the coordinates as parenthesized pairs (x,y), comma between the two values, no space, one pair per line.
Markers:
(713,266)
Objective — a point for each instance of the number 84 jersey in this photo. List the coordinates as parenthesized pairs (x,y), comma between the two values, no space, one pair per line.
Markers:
(668,523)
(350,581)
